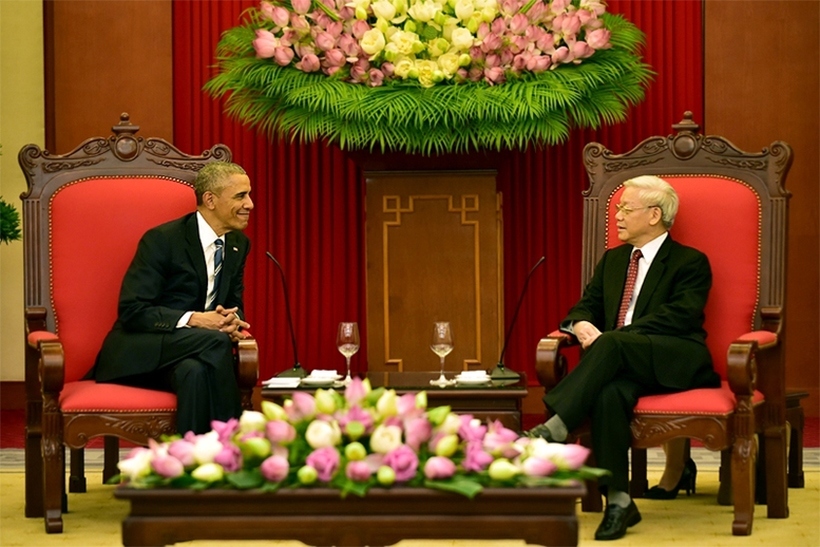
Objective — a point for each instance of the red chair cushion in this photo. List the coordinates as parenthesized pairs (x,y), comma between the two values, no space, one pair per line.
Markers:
(719,216)
(95,226)
(719,401)
(89,396)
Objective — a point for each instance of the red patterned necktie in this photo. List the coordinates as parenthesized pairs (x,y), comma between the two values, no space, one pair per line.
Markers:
(629,286)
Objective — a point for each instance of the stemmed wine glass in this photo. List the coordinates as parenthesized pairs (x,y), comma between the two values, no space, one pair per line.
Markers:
(347,340)
(441,344)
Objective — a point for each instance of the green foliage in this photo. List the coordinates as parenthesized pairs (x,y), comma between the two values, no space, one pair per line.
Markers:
(9,222)
(535,109)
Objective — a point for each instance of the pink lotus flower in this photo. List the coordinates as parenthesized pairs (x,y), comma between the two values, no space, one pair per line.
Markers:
(334,58)
(283,56)
(536,467)
(225,430)
(325,41)
(599,39)
(404,461)
(183,450)
(494,75)
(167,466)
(561,55)
(230,458)
(325,461)
(499,440)
(581,50)
(359,28)
(475,459)
(376,77)
(417,431)
(280,431)
(265,44)
(439,467)
(538,63)
(275,468)
(358,471)
(355,414)
(519,23)
(471,430)
(558,6)
(301,407)
(300,6)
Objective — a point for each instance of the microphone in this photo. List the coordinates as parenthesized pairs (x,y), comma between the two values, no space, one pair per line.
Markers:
(501,372)
(297,371)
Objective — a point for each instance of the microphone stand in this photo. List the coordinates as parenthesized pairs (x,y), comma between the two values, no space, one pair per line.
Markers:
(501,372)
(297,371)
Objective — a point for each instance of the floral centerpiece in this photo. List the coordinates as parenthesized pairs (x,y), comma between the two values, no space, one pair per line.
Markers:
(430,75)
(354,441)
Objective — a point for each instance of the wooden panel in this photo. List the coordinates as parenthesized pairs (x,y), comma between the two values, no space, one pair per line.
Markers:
(759,91)
(433,254)
(102,59)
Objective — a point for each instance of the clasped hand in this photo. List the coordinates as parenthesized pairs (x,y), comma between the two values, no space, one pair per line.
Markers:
(225,320)
(585,332)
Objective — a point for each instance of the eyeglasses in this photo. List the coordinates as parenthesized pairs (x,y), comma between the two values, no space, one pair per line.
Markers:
(625,210)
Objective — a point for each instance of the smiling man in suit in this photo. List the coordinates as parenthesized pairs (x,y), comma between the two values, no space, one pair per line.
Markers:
(640,322)
(180,306)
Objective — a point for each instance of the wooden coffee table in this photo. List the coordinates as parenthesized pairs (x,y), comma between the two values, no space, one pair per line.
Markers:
(493,401)
(319,516)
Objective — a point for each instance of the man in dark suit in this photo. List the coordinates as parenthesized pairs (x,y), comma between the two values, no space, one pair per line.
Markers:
(180,306)
(640,322)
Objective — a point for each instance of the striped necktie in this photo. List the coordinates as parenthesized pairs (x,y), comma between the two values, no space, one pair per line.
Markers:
(217,274)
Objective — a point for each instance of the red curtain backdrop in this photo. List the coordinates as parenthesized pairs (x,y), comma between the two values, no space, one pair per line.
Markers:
(309,198)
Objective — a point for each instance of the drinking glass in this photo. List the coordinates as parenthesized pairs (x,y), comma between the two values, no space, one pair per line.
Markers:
(347,340)
(441,344)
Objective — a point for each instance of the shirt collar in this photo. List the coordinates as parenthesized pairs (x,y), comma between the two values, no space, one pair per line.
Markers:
(207,236)
(650,250)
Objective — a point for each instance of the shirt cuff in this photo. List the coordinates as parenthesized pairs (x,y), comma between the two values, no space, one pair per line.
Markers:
(183,321)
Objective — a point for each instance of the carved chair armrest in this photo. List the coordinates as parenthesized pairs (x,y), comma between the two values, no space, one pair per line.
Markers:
(247,360)
(550,365)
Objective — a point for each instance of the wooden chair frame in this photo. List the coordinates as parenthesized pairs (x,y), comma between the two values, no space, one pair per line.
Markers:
(48,428)
(751,365)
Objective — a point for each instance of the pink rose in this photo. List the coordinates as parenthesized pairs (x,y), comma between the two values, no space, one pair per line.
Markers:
(387,69)
(325,461)
(280,431)
(335,58)
(376,77)
(325,41)
(404,461)
(359,28)
(557,6)
(519,23)
(546,42)
(300,6)
(581,50)
(265,44)
(494,75)
(275,468)
(538,63)
(350,46)
(561,55)
(439,467)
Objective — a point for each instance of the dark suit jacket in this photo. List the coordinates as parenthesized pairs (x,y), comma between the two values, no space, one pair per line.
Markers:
(166,278)
(669,310)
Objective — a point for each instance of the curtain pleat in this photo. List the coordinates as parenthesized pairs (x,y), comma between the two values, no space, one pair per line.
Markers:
(309,198)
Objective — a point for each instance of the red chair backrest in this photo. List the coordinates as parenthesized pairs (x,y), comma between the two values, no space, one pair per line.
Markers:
(721,217)
(95,224)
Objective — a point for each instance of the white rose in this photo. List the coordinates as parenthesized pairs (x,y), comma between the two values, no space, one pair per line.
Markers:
(489,13)
(402,67)
(464,9)
(385,438)
(424,11)
(322,434)
(384,9)
(206,447)
(406,43)
(449,64)
(372,42)
(462,39)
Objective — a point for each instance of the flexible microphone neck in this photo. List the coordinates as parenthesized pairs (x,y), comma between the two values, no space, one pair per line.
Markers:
(297,368)
(499,371)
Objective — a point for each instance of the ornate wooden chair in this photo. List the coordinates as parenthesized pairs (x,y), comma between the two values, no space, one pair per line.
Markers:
(83,214)
(734,208)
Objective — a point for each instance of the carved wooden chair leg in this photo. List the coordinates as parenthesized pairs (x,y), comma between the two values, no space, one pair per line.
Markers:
(725,496)
(777,490)
(743,479)
(76,481)
(111,456)
(53,473)
(638,483)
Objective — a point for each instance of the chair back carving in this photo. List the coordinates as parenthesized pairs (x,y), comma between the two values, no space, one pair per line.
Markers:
(732,208)
(84,213)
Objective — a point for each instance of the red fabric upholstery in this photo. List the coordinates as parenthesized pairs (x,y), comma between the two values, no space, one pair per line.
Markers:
(763,338)
(38,336)
(718,401)
(90,396)
(729,237)
(89,256)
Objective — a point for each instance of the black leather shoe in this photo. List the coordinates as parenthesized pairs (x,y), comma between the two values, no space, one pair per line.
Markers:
(541,431)
(616,520)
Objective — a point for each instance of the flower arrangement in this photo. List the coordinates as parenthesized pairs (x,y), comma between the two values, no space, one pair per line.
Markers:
(430,75)
(354,441)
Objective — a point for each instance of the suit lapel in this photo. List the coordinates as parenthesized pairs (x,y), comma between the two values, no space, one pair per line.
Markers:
(653,276)
(197,257)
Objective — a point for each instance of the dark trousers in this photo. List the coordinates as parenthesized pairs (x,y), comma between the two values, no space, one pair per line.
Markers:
(197,365)
(612,373)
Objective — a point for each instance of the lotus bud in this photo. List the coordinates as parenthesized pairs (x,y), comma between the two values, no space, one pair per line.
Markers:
(386,405)
(325,401)
(251,421)
(307,475)
(354,429)
(208,472)
(447,446)
(355,451)
(421,400)
(502,469)
(255,448)
(385,475)
(272,411)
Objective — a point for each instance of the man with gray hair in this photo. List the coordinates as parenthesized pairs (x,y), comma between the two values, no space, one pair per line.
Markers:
(180,305)
(640,323)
